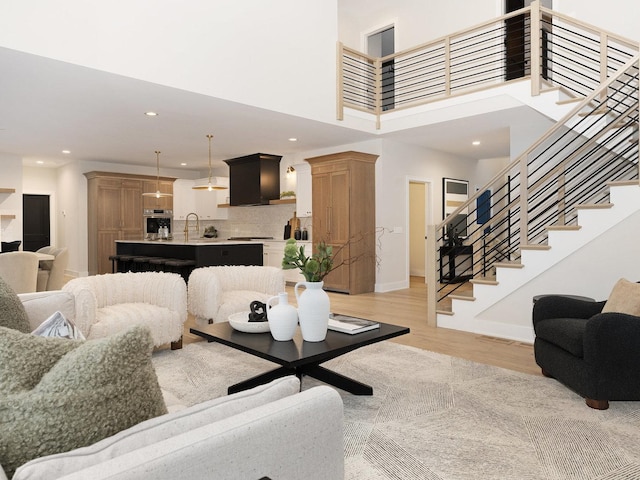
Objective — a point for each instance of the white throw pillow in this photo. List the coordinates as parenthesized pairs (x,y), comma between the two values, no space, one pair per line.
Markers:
(58,326)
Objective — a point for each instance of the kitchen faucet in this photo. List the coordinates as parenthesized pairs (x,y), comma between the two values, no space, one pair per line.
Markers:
(186,225)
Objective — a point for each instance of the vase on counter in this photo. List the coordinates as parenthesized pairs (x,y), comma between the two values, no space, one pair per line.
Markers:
(313,310)
(282,318)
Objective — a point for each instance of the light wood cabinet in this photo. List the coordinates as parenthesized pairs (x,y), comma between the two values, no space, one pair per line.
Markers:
(114,208)
(343,206)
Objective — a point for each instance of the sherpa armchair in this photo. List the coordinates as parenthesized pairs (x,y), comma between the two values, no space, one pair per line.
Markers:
(216,292)
(110,303)
(591,347)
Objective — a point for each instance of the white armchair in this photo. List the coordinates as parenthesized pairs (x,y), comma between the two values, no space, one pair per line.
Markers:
(214,293)
(51,272)
(41,305)
(20,271)
(110,303)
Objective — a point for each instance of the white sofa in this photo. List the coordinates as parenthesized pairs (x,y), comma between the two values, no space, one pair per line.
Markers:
(271,431)
(214,293)
(110,303)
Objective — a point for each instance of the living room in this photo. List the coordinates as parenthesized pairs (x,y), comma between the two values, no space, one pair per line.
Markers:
(399,161)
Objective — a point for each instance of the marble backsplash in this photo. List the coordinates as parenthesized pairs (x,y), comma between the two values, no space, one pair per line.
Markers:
(258,221)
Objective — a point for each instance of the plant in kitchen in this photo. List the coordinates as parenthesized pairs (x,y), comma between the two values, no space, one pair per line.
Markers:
(210,232)
(288,194)
(314,267)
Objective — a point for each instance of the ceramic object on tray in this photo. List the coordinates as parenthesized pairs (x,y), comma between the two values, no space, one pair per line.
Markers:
(240,321)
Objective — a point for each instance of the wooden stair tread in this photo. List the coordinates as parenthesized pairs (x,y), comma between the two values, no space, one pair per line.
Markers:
(444,312)
(483,281)
(535,247)
(508,265)
(570,100)
(601,111)
(594,206)
(466,298)
(553,228)
(623,183)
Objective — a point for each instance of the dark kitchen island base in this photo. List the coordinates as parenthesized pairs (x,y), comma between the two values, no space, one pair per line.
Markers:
(150,255)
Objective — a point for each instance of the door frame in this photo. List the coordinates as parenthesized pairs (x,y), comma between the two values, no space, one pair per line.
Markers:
(428,200)
(53,220)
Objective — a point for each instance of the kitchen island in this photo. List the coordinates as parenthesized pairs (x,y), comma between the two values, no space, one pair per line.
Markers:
(161,255)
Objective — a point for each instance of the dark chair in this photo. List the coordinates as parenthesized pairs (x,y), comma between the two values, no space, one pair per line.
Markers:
(595,354)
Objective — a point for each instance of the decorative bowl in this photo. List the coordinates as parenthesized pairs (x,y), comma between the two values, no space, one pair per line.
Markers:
(240,322)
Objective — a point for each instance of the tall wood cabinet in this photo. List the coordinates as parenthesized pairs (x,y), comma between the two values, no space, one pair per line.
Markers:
(114,212)
(343,206)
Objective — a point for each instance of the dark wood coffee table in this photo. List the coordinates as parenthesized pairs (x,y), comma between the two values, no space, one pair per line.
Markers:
(298,357)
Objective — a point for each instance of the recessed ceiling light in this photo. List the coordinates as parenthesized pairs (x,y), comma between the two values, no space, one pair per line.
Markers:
(39,162)
(66,152)
(475,142)
(151,114)
(293,139)
(184,164)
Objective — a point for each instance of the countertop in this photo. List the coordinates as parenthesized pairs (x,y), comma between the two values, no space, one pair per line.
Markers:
(205,241)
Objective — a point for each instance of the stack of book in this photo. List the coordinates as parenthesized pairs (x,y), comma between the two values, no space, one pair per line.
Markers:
(350,325)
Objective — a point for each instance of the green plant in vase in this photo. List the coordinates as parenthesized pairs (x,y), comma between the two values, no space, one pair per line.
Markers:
(314,267)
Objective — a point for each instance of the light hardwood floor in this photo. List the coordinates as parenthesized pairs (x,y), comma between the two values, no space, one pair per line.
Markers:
(408,308)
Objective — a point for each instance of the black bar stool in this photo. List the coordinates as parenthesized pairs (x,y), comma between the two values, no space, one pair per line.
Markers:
(123,262)
(157,264)
(183,267)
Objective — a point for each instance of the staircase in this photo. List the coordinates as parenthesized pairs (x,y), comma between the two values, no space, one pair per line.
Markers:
(556,212)
(563,216)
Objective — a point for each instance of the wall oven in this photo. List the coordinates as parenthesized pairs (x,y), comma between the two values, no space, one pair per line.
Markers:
(157,223)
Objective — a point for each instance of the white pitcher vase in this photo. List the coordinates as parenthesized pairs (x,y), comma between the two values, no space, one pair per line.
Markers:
(313,310)
(282,317)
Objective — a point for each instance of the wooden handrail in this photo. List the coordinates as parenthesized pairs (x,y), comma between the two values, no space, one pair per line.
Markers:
(560,124)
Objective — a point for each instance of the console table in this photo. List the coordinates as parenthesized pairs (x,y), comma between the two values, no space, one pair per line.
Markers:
(449,258)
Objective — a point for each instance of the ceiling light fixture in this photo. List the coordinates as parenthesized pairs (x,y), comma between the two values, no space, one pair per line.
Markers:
(475,142)
(210,186)
(293,139)
(157,193)
(151,114)
(66,152)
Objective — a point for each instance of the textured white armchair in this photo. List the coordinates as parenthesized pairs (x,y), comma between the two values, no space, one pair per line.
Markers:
(110,303)
(214,293)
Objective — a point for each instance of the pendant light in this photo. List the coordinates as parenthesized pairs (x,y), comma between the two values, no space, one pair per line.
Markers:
(157,193)
(212,184)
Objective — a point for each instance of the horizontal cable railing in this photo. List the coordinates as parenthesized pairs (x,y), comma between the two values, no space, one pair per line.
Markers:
(537,43)
(569,166)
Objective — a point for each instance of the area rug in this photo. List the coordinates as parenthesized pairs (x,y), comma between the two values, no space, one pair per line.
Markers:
(438,417)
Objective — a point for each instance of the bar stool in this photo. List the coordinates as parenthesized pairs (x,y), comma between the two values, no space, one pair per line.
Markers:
(122,261)
(157,263)
(183,267)
(140,263)
(114,259)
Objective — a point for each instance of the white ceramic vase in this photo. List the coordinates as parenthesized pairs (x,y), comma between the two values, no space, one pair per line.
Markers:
(282,317)
(313,310)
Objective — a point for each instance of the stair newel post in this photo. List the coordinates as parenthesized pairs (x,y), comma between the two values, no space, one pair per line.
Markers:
(377,67)
(340,82)
(536,39)
(432,276)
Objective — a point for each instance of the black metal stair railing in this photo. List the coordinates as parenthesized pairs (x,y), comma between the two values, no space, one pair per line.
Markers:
(571,165)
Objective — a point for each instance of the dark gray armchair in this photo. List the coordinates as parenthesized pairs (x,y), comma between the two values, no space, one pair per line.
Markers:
(595,354)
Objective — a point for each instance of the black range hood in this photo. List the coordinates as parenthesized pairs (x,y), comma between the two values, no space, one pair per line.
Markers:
(254,179)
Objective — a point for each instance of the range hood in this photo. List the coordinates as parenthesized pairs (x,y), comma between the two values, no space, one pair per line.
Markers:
(254,179)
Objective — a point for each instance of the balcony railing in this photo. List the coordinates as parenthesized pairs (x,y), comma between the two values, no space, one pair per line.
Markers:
(547,47)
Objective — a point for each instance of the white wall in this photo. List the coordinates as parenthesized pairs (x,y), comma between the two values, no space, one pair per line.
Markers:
(618,16)
(11,204)
(278,55)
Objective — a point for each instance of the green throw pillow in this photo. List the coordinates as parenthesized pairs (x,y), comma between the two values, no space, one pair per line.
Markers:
(12,312)
(94,390)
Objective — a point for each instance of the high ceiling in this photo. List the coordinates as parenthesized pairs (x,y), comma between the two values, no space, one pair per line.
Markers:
(47,106)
